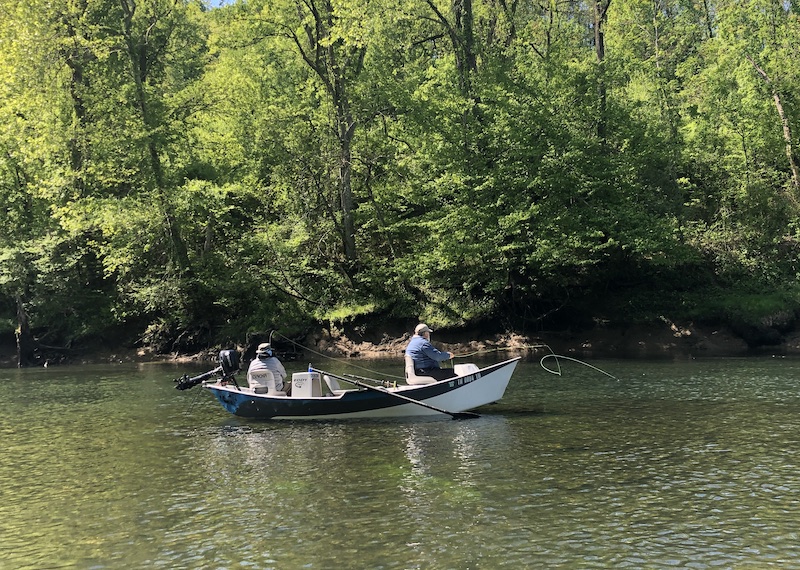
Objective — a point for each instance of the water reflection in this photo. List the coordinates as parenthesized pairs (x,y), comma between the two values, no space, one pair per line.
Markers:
(689,464)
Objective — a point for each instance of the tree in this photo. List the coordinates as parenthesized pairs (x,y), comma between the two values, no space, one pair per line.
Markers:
(327,38)
(600,16)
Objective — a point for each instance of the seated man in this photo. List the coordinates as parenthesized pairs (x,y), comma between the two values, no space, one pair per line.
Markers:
(266,360)
(426,357)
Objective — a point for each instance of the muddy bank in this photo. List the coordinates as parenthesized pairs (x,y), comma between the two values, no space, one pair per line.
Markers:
(659,340)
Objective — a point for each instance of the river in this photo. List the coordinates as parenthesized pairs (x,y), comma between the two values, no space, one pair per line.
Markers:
(672,463)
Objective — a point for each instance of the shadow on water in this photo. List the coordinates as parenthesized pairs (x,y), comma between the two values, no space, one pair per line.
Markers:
(511,411)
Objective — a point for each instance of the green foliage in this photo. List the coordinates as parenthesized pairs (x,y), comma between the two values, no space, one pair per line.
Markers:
(769,308)
(198,174)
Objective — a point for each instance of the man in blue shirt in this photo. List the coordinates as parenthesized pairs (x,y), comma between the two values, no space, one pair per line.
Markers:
(426,357)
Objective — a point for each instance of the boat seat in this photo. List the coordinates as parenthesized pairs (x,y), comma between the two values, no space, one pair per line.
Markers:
(263,382)
(411,375)
(333,385)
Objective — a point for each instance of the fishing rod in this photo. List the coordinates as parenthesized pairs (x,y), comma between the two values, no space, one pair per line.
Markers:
(552,354)
(499,348)
(468,355)
(340,360)
(385,383)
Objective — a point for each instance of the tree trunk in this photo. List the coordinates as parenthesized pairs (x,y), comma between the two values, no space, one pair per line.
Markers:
(787,131)
(709,19)
(464,46)
(600,14)
(26,346)
(346,195)
(346,127)
(139,62)
(337,68)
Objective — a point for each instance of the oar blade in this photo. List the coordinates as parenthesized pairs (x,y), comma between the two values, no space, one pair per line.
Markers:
(464,415)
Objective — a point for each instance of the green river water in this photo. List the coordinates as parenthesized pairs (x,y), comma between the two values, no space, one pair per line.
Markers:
(675,464)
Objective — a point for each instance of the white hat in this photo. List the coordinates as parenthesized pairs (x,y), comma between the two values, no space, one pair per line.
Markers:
(422,328)
(264,349)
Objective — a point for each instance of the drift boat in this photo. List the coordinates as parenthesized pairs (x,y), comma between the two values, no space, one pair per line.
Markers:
(316,394)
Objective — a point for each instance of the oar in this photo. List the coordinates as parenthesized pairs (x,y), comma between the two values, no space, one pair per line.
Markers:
(455,415)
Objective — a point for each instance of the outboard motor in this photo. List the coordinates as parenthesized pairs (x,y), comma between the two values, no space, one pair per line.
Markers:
(229,363)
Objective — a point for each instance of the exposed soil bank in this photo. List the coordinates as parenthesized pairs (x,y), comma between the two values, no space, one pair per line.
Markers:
(631,341)
(656,340)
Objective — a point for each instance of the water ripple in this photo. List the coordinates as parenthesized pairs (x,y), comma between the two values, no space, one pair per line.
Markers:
(679,464)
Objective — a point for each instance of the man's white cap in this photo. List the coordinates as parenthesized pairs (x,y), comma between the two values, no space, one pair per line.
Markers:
(422,328)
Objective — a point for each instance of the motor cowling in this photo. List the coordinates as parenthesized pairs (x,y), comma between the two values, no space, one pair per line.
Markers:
(230,362)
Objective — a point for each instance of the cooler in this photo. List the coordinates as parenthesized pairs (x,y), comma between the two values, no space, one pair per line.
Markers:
(306,385)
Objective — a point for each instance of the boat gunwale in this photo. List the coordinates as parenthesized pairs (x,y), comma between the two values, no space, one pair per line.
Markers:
(404,389)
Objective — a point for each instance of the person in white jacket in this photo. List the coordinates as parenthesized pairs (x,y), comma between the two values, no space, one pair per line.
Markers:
(266,360)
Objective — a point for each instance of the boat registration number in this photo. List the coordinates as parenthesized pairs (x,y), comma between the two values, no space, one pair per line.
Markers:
(464,380)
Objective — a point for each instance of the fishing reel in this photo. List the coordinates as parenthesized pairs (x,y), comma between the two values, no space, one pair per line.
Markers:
(229,365)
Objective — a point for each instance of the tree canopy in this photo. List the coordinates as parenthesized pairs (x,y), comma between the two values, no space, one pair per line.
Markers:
(192,173)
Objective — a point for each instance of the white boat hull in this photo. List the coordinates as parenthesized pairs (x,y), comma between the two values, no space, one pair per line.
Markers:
(457,394)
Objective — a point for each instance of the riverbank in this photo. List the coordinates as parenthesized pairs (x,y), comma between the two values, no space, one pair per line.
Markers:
(661,339)
(656,340)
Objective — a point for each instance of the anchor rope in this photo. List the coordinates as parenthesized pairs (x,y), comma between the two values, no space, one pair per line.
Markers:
(194,400)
